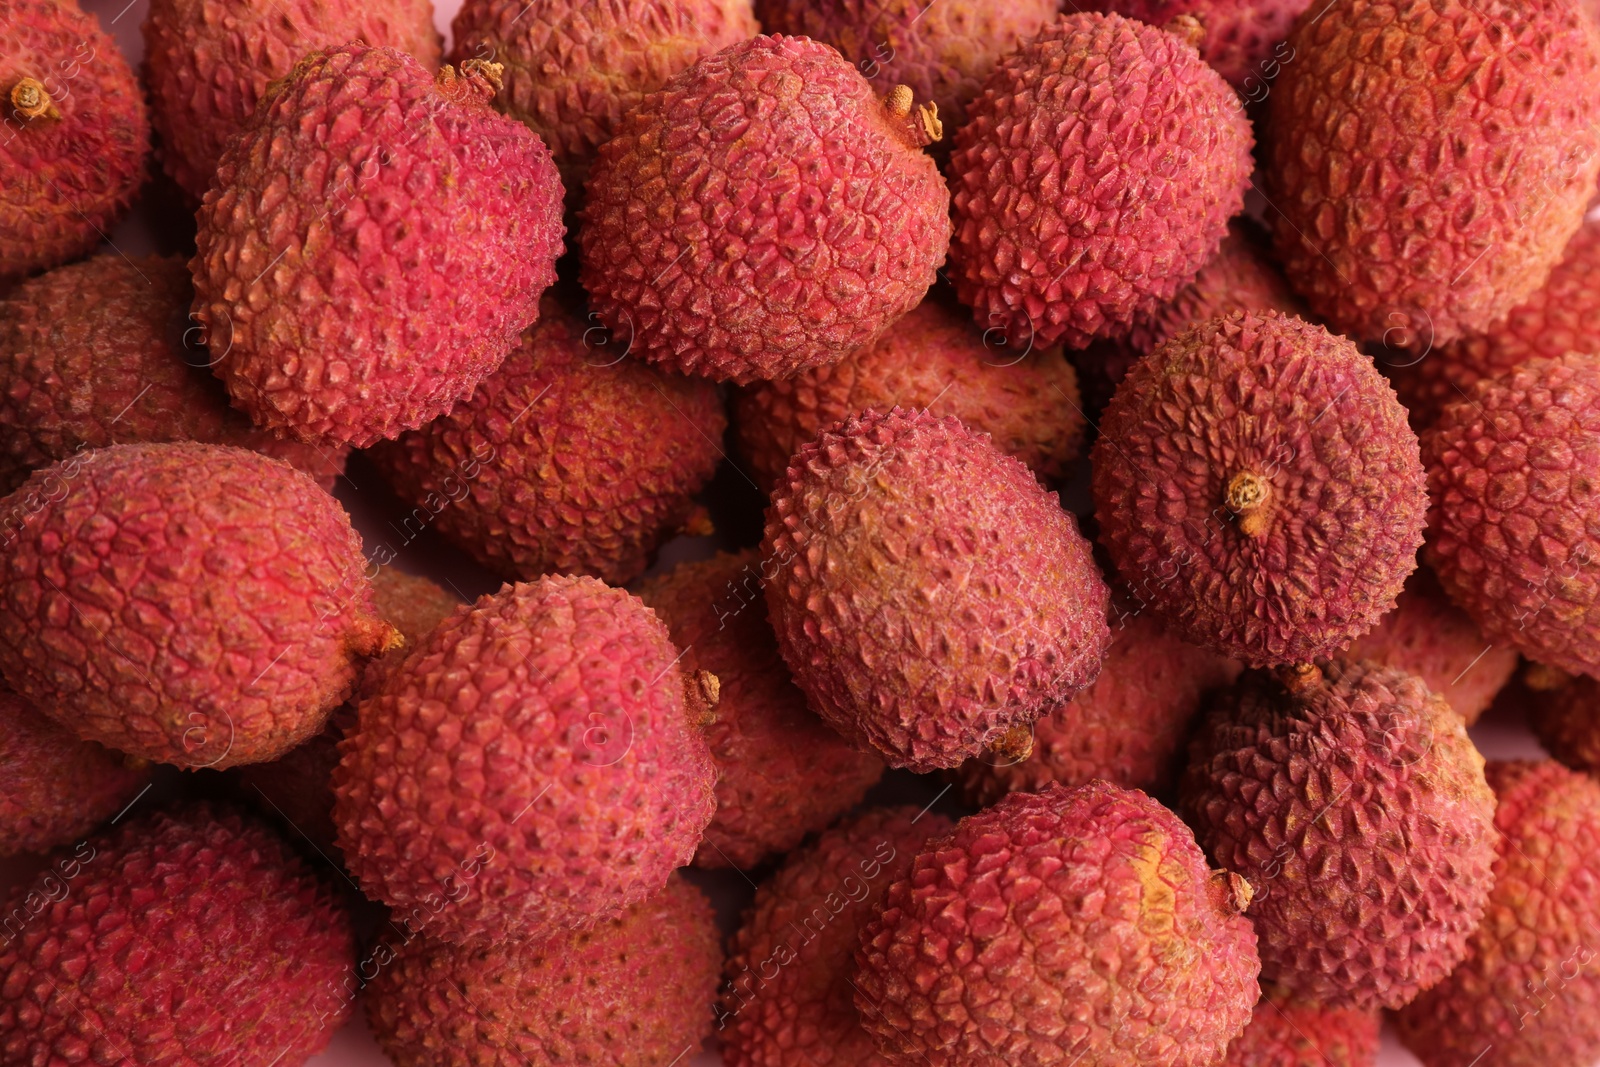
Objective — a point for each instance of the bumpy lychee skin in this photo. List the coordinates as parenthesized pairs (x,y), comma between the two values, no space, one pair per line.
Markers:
(634,991)
(190,936)
(901,600)
(1285,1032)
(1128,728)
(933,360)
(1528,993)
(1352,800)
(1430,637)
(1068,180)
(1258,487)
(1244,42)
(208,62)
(764,212)
(53,787)
(531,767)
(102,352)
(574,68)
(988,951)
(781,772)
(943,51)
(787,998)
(567,459)
(186,603)
(1378,87)
(1514,474)
(76,135)
(1567,723)
(355,195)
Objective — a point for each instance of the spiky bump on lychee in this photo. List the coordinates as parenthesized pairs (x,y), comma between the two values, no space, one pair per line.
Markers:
(900,598)
(356,195)
(1258,487)
(1285,1032)
(1353,802)
(530,767)
(987,952)
(766,211)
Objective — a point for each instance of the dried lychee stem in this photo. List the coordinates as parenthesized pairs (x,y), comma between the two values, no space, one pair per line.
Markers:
(924,124)
(1300,678)
(1246,496)
(1543,679)
(30,101)
(701,691)
(1188,28)
(1232,891)
(478,80)
(1015,745)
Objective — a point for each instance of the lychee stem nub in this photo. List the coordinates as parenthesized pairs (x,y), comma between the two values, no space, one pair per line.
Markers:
(1246,496)
(31,101)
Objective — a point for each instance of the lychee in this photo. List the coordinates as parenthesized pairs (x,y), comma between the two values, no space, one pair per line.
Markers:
(1567,723)
(1285,1032)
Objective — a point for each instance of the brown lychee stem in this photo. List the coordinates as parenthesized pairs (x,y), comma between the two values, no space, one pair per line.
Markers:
(1543,679)
(1232,891)
(477,81)
(1015,745)
(1188,28)
(1300,678)
(923,123)
(1247,496)
(702,690)
(30,101)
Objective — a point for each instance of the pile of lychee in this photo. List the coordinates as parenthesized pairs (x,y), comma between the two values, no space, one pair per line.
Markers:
(1298,307)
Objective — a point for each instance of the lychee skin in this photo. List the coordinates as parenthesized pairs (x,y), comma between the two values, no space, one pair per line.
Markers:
(781,772)
(74,167)
(634,992)
(355,195)
(208,62)
(53,787)
(1285,1032)
(1378,86)
(1356,807)
(787,999)
(568,459)
(190,936)
(934,360)
(988,950)
(764,212)
(900,598)
(1258,487)
(1097,113)
(186,603)
(530,767)
(1528,992)
(1567,723)
(1243,41)
(1514,474)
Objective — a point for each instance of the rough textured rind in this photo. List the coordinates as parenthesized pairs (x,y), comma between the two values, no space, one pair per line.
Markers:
(355,197)
(1561,316)
(1514,473)
(1567,723)
(1096,176)
(934,360)
(1071,925)
(187,603)
(1302,415)
(788,997)
(1243,41)
(1430,637)
(633,992)
(53,787)
(763,213)
(530,767)
(1285,1032)
(1427,162)
(781,772)
(1354,804)
(1528,993)
(103,352)
(926,592)
(70,174)
(568,459)
(207,63)
(1128,728)
(186,937)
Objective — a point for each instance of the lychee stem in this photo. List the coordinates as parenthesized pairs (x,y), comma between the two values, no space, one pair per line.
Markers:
(702,690)
(1015,745)
(1246,496)
(1300,678)
(924,124)
(1232,892)
(1188,28)
(1543,679)
(31,101)
(478,80)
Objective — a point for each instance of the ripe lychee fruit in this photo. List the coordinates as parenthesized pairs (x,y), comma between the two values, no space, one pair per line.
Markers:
(1244,41)
(635,991)
(1427,163)
(565,778)
(1567,723)
(75,135)
(356,195)
(781,772)
(1352,801)
(1514,473)
(788,997)
(764,212)
(186,603)
(933,360)
(208,62)
(190,936)
(1285,1032)
(994,947)
(1528,992)
(903,601)
(1068,180)
(567,459)
(1258,487)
